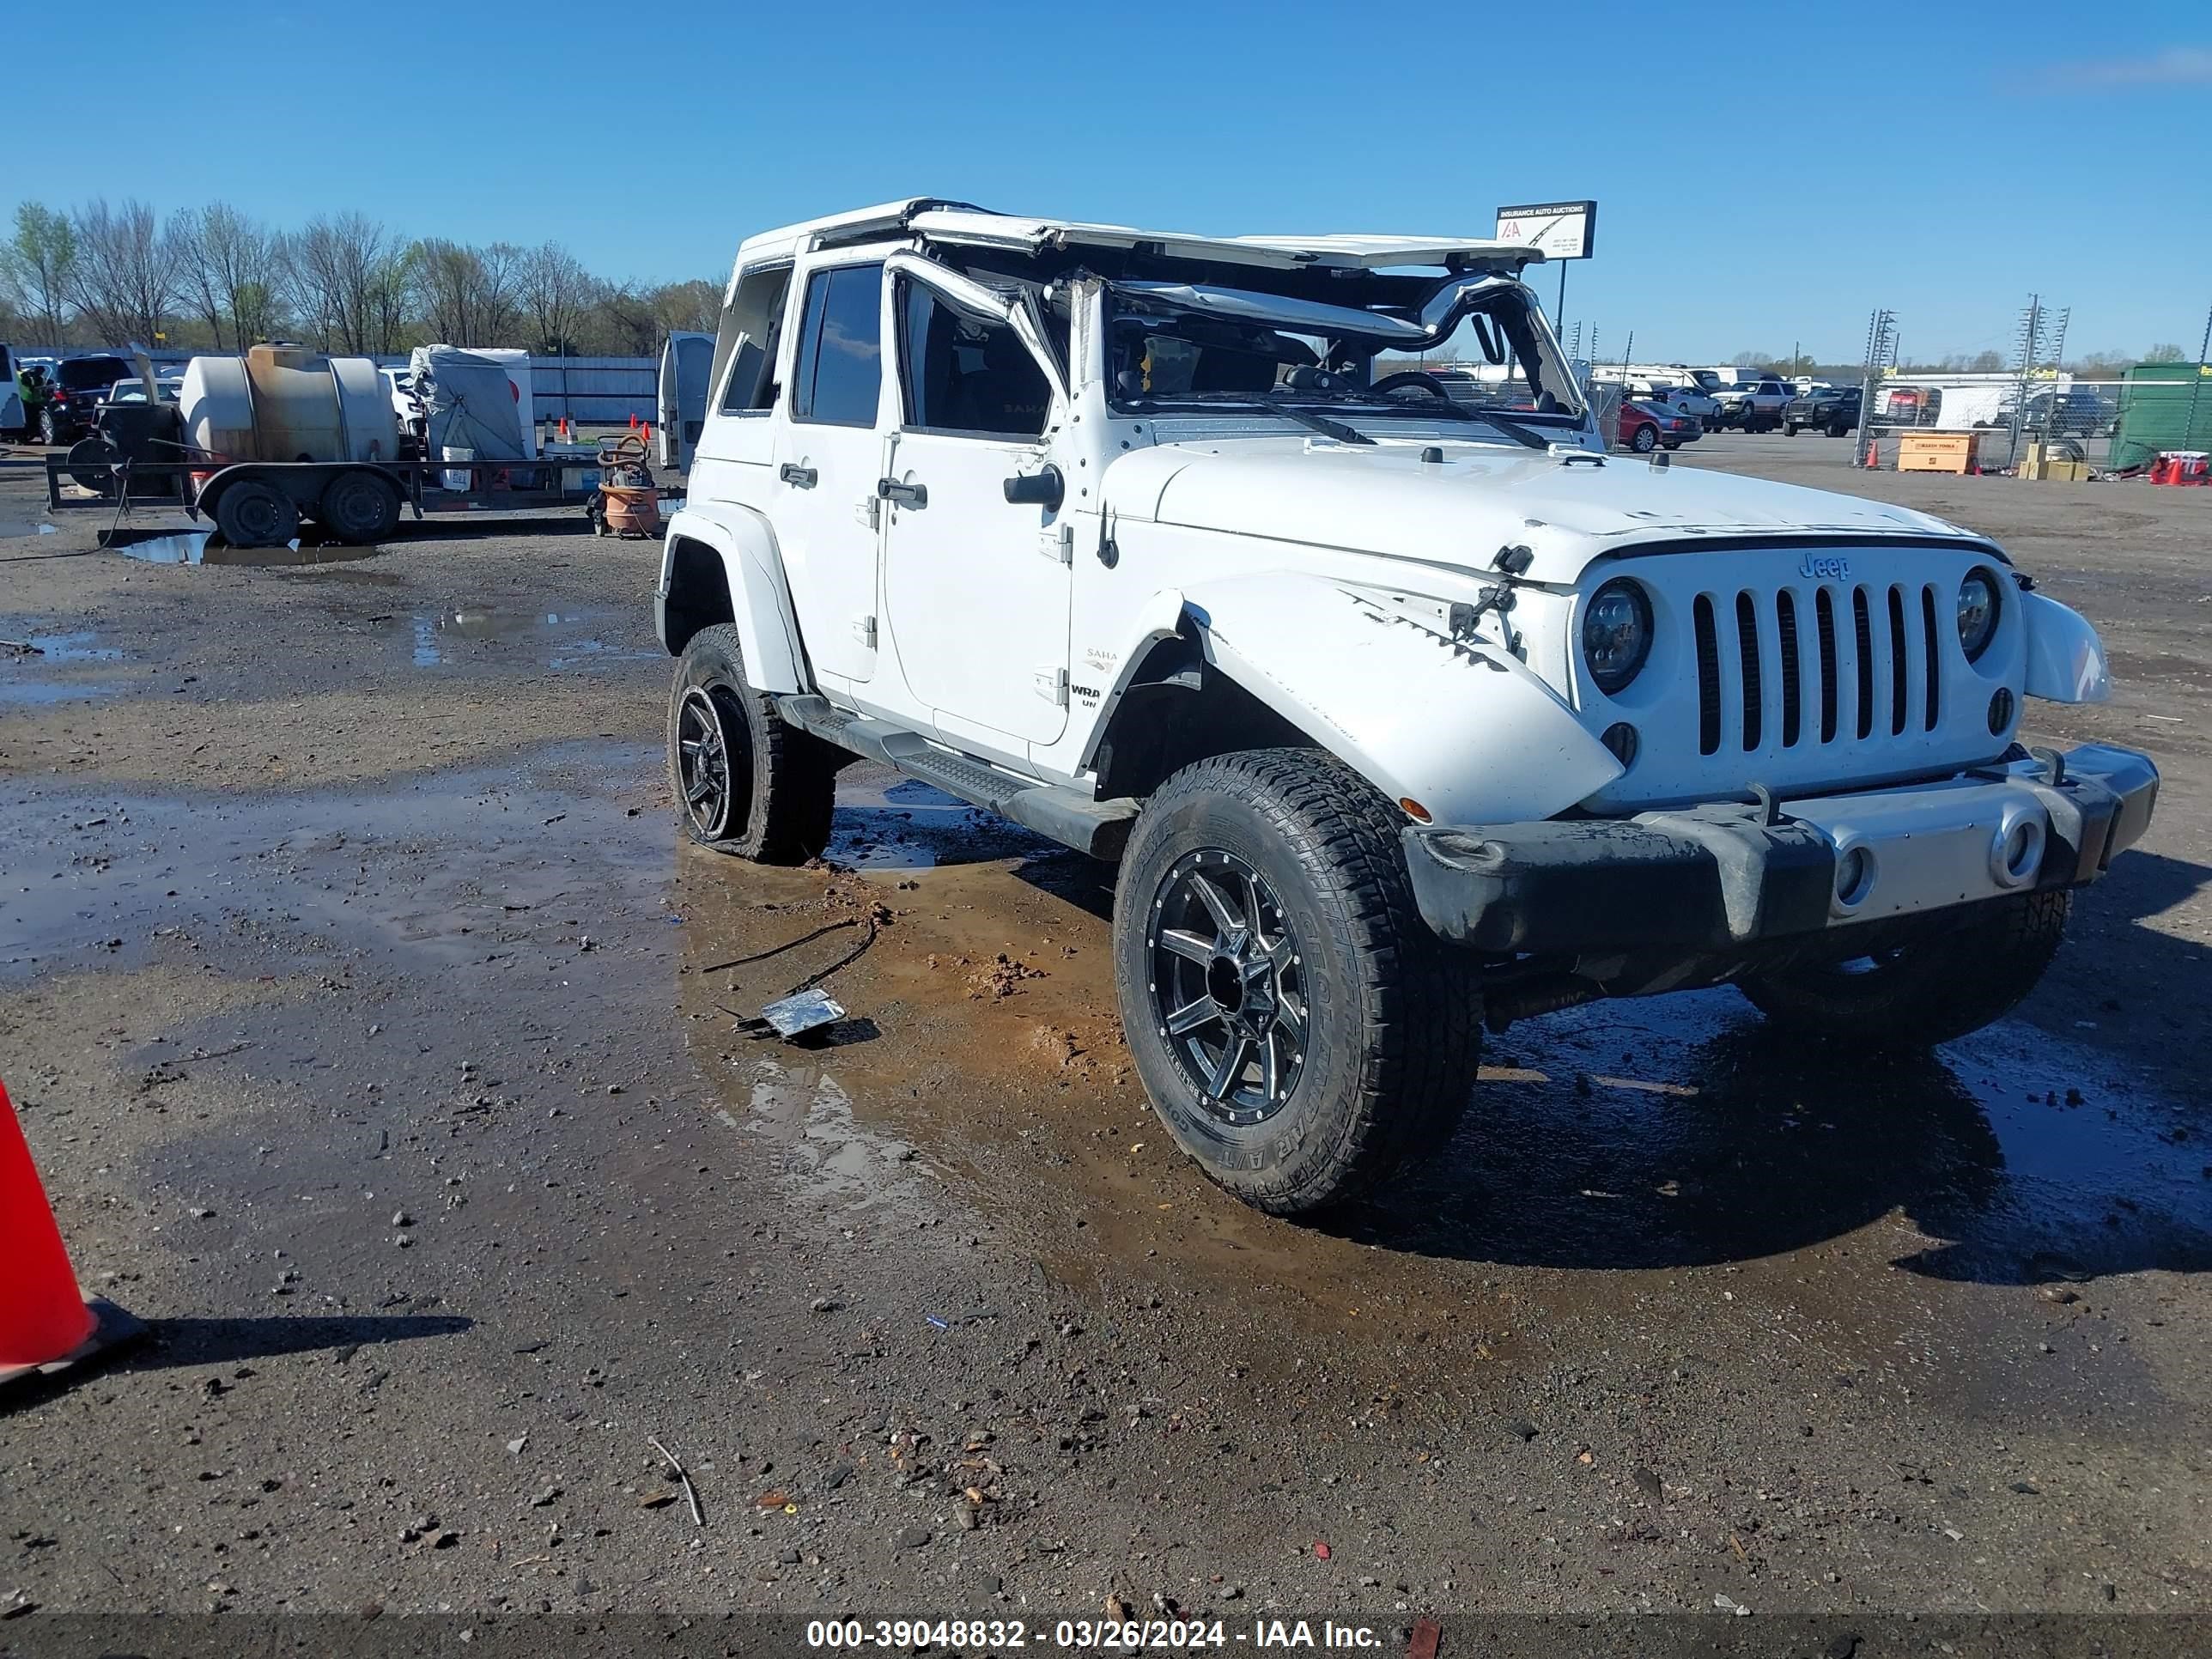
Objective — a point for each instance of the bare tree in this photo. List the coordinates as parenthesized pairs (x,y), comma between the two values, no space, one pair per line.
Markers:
(126,280)
(557,292)
(692,307)
(40,259)
(341,275)
(623,323)
(228,264)
(470,296)
(391,285)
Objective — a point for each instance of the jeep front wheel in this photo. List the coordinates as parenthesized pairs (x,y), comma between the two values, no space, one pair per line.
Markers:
(1300,1030)
(1927,990)
(745,782)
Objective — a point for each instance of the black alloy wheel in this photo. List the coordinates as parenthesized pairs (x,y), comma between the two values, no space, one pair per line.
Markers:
(715,767)
(1228,987)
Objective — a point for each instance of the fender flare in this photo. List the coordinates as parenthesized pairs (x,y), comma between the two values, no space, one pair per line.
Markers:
(1463,728)
(759,596)
(2066,660)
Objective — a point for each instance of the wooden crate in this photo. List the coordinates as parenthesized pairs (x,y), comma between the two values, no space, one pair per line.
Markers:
(1936,451)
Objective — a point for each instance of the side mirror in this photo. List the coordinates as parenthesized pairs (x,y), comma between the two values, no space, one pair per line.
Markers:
(1046,488)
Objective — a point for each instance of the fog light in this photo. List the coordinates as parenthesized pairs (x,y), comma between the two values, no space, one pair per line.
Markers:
(1854,873)
(2016,852)
(1620,738)
(2000,713)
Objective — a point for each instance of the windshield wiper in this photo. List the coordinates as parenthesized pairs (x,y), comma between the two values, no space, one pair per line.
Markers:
(1457,411)
(1321,423)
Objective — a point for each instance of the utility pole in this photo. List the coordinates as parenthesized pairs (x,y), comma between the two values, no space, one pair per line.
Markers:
(2196,385)
(1881,354)
(2027,353)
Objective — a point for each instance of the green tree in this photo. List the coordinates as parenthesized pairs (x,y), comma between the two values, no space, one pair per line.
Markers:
(40,259)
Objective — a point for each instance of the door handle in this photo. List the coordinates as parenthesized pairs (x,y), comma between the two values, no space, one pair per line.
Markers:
(902,495)
(1045,488)
(799,477)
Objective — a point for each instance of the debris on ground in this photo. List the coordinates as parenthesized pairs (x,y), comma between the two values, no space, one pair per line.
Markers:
(690,1492)
(998,978)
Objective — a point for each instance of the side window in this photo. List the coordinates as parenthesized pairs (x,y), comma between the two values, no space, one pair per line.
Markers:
(752,324)
(840,369)
(963,374)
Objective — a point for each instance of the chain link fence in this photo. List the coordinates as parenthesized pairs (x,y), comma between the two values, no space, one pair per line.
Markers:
(2037,418)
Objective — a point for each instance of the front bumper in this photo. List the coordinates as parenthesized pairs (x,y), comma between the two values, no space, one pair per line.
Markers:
(1716,879)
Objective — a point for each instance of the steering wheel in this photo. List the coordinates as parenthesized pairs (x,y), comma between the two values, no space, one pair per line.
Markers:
(1421,377)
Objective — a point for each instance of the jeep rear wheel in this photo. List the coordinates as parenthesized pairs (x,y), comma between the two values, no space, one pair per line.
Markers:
(1300,1030)
(1927,991)
(745,782)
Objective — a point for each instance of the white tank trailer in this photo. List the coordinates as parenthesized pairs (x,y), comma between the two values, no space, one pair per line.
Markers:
(288,404)
(293,433)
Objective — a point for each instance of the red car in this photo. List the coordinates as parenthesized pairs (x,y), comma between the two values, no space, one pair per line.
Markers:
(1647,427)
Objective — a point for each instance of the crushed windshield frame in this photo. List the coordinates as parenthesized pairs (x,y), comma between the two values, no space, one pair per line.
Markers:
(1316,371)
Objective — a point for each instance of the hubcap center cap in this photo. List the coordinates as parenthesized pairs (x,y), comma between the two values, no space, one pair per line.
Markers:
(1225,983)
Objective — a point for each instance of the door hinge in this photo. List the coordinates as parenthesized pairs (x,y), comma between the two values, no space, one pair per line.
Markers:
(863,630)
(1058,543)
(1051,684)
(869,511)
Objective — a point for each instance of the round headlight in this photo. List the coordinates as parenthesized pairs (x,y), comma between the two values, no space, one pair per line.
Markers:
(1616,634)
(1977,612)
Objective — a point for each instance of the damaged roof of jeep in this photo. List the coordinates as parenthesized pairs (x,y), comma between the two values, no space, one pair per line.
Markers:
(958,224)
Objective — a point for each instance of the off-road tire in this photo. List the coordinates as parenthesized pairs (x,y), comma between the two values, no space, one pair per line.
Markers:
(1393,1015)
(785,780)
(1927,992)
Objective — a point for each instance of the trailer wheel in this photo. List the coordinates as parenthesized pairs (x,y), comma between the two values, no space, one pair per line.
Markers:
(252,514)
(359,508)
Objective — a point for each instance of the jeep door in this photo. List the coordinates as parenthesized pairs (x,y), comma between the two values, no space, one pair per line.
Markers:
(830,454)
(975,585)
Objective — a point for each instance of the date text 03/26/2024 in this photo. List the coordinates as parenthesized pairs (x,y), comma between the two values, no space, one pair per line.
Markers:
(1087,1634)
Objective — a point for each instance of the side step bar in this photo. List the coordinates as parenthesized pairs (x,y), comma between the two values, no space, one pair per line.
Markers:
(1099,827)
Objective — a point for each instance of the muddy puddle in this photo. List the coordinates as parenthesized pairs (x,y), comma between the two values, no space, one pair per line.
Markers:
(204,547)
(1659,1135)
(24,653)
(555,639)
(886,821)
(493,871)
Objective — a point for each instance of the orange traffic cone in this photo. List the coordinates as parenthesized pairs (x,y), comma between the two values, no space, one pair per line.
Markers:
(1873,455)
(45,1320)
(648,434)
(633,421)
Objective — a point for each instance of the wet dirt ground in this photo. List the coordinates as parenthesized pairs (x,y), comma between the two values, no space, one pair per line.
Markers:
(376,1035)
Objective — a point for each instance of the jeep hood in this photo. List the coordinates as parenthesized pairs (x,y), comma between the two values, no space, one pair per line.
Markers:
(1386,500)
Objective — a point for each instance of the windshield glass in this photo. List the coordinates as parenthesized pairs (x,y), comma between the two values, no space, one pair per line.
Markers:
(1500,358)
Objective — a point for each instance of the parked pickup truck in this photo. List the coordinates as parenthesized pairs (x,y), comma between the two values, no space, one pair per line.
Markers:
(1753,405)
(1406,711)
(1832,410)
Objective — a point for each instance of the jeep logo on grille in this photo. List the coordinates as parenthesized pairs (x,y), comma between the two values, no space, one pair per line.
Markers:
(1821,569)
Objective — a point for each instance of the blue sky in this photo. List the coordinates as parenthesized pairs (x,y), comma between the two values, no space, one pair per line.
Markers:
(1747,196)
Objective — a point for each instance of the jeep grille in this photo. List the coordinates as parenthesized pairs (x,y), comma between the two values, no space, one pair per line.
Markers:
(1874,671)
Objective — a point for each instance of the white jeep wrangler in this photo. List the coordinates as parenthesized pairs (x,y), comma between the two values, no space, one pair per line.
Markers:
(1405,709)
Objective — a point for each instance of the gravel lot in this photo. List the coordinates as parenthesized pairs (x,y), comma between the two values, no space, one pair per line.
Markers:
(372,1028)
